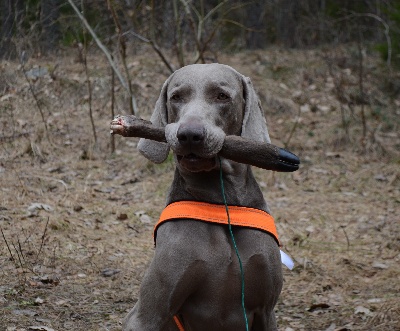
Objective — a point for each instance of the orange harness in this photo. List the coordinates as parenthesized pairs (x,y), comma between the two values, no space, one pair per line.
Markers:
(207,212)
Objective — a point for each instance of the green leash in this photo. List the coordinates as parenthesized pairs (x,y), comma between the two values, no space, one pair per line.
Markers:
(234,243)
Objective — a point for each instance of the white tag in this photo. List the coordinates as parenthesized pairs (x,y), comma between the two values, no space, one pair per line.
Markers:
(287,260)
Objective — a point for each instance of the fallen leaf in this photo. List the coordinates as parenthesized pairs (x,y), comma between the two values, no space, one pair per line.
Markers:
(379,265)
(331,327)
(143,217)
(33,209)
(61,302)
(146,219)
(108,272)
(362,310)
(381,178)
(78,208)
(39,301)
(40,328)
(305,108)
(103,189)
(323,109)
(310,229)
(374,300)
(319,171)
(332,154)
(122,217)
(24,312)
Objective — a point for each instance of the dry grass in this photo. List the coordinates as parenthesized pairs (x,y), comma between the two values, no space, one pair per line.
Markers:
(75,260)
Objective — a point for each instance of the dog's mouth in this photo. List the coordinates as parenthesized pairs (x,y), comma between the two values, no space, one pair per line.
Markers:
(195,163)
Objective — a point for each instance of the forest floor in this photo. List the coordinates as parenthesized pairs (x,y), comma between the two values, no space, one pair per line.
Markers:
(76,220)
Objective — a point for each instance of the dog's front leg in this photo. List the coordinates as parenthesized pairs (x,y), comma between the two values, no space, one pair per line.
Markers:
(138,320)
(152,311)
(171,278)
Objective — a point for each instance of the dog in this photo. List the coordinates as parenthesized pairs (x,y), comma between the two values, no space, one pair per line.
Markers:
(194,281)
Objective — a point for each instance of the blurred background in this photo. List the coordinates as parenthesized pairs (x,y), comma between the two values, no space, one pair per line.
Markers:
(48,26)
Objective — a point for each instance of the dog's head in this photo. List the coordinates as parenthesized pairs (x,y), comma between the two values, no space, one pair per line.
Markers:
(198,105)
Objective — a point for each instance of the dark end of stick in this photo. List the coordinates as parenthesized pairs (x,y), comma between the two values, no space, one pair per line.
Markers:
(287,161)
(259,154)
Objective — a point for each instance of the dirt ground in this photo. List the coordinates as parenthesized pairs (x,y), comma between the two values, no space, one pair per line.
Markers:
(76,220)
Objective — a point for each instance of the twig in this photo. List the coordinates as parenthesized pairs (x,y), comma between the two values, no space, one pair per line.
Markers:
(200,44)
(104,49)
(179,42)
(42,242)
(19,258)
(214,31)
(202,19)
(122,51)
(345,234)
(112,109)
(8,247)
(385,25)
(155,47)
(339,91)
(192,24)
(89,85)
(54,257)
(361,86)
(46,178)
(22,253)
(296,123)
(21,60)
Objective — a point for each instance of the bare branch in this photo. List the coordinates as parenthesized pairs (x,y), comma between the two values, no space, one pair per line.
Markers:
(103,48)
(122,51)
(387,30)
(192,23)
(155,47)
(31,89)
(8,247)
(89,85)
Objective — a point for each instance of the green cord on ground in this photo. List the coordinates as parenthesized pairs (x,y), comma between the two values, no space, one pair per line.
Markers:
(234,243)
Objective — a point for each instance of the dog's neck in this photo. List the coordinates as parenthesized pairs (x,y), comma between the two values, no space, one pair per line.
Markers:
(240,186)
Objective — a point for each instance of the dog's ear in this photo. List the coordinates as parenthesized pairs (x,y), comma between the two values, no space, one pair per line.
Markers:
(254,124)
(156,151)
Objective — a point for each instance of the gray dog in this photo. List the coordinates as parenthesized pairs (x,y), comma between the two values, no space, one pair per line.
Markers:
(194,280)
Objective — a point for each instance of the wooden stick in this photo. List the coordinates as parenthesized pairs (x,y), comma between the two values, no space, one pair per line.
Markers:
(235,148)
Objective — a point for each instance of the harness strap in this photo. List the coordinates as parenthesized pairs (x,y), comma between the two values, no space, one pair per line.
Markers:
(207,212)
(178,323)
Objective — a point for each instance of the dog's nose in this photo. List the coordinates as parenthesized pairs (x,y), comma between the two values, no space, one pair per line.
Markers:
(190,134)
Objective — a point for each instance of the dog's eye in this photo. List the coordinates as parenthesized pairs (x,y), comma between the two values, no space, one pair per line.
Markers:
(222,97)
(176,97)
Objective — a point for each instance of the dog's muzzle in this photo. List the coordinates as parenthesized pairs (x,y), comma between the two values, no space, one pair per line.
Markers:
(195,147)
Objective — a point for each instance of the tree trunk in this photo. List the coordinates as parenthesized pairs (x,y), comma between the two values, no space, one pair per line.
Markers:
(7,19)
(50,26)
(286,22)
(256,37)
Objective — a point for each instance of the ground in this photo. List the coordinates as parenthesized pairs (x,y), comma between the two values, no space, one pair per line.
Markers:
(76,218)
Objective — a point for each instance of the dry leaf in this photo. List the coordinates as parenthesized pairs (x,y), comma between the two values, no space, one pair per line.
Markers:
(40,328)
